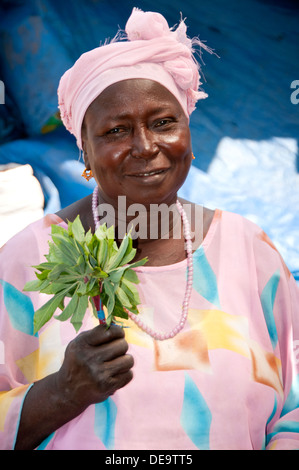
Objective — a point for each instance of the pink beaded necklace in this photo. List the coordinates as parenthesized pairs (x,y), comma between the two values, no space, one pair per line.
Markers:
(136,319)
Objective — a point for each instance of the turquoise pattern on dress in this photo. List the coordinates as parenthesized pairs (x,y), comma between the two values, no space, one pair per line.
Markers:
(19,308)
(267,437)
(292,401)
(105,416)
(204,278)
(285,426)
(196,416)
(44,444)
(267,300)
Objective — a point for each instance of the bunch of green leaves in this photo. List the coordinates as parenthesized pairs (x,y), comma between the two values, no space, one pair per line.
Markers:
(81,266)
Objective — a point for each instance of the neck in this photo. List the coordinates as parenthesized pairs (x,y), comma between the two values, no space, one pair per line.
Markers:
(147,222)
(162,245)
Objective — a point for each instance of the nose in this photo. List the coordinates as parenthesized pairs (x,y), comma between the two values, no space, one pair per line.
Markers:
(143,144)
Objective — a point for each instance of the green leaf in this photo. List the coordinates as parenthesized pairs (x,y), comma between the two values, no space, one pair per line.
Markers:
(45,266)
(57,229)
(131,291)
(54,255)
(68,278)
(130,252)
(110,233)
(92,261)
(44,286)
(56,272)
(80,248)
(56,288)
(69,309)
(102,252)
(138,263)
(111,251)
(66,247)
(45,313)
(82,265)
(43,275)
(123,298)
(61,305)
(82,288)
(99,273)
(116,275)
(88,237)
(110,292)
(118,311)
(116,259)
(101,232)
(32,286)
(79,313)
(130,275)
(78,230)
(94,310)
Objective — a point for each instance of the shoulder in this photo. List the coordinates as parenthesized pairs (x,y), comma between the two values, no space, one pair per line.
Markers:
(228,225)
(237,225)
(241,230)
(26,248)
(83,208)
(243,234)
(31,232)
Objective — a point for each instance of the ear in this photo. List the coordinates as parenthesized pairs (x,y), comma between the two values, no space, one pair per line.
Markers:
(84,146)
(85,155)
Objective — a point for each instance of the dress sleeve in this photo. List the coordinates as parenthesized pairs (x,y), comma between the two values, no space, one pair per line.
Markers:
(279,295)
(18,345)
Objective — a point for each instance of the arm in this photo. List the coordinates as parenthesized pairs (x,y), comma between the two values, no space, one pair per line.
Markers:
(95,366)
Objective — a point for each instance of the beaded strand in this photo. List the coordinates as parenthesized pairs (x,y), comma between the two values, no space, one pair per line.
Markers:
(135,318)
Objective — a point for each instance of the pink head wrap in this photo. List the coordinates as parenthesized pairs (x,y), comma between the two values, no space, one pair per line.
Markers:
(152,51)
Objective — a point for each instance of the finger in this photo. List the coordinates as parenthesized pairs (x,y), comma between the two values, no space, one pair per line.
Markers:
(109,351)
(119,376)
(101,334)
(120,366)
(124,378)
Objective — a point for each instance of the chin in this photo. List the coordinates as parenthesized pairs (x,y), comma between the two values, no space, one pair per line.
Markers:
(146,198)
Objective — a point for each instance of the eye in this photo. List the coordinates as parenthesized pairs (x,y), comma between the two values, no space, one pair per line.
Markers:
(115,130)
(164,122)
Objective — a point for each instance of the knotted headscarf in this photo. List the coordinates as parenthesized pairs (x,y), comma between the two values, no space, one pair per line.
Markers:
(149,49)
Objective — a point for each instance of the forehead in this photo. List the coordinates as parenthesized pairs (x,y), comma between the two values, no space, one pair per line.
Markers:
(142,94)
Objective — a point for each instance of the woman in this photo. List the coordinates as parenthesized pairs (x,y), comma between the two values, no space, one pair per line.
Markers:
(209,363)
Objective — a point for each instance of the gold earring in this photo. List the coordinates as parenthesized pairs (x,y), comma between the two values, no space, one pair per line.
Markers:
(193,158)
(87,174)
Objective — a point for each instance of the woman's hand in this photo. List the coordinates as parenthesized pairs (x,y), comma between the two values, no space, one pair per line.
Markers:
(96,364)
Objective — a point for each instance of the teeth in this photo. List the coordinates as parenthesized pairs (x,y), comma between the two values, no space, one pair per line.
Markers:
(151,173)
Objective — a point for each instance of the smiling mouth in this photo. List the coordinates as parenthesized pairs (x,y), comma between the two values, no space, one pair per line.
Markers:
(148,173)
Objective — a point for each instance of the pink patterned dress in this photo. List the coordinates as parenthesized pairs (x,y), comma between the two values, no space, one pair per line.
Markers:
(228,380)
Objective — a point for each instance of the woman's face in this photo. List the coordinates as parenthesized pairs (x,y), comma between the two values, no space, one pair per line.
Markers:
(137,143)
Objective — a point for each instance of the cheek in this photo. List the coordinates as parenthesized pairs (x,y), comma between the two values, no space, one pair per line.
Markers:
(105,161)
(180,140)
(180,147)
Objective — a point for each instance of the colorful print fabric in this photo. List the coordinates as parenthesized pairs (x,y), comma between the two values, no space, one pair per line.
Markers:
(229,380)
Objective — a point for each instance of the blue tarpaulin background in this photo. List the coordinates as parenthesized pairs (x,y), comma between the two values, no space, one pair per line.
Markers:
(245,135)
